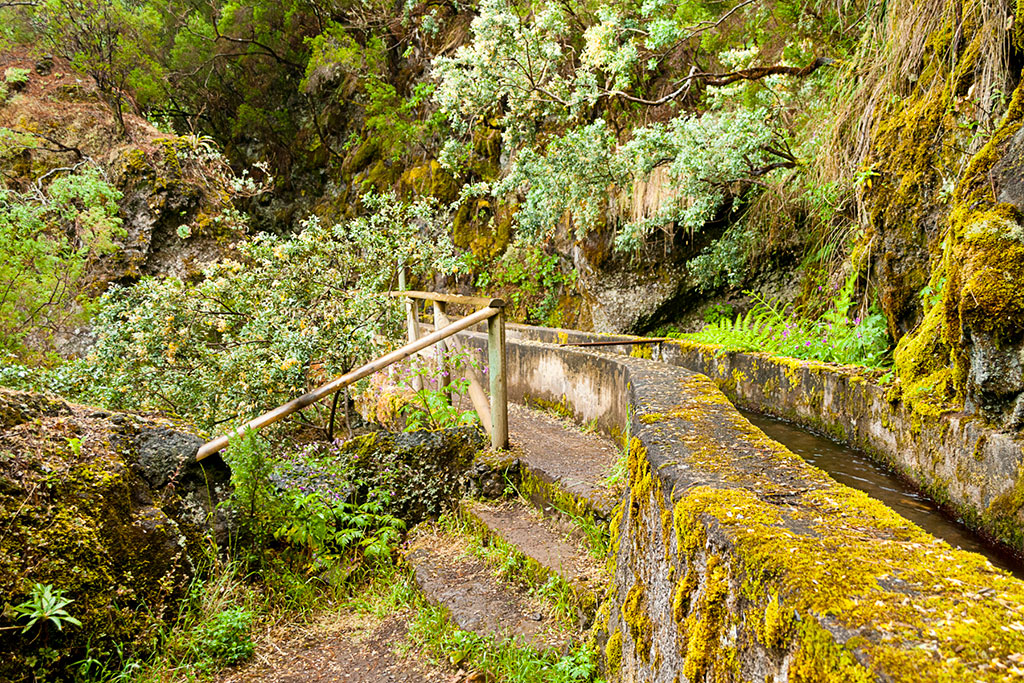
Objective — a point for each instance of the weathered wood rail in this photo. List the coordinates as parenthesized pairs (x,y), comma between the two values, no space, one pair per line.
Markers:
(492,311)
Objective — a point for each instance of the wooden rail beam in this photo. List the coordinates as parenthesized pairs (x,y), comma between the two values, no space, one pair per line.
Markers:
(312,397)
(451,298)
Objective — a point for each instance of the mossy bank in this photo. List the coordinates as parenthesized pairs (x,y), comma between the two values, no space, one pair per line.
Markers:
(109,508)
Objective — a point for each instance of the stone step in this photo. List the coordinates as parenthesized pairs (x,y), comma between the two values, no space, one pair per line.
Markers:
(564,468)
(548,549)
(448,575)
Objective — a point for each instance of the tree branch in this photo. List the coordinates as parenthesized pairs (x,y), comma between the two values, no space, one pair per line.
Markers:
(723,79)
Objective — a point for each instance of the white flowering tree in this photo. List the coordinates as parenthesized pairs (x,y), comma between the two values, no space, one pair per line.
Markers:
(259,329)
(565,79)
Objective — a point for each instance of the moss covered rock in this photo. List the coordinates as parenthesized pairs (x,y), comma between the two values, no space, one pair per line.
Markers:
(422,473)
(111,509)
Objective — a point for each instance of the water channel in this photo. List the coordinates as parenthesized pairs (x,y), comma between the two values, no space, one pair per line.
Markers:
(857,470)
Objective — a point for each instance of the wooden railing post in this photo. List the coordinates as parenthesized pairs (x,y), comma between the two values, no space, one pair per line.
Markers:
(412,324)
(441,321)
(499,385)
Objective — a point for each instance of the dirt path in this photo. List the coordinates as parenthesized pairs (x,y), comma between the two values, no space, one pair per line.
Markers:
(342,647)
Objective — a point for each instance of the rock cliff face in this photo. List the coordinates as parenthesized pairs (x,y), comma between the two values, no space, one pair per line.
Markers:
(110,508)
(174,194)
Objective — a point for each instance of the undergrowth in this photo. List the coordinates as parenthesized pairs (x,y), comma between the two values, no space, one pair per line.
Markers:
(292,553)
(777,329)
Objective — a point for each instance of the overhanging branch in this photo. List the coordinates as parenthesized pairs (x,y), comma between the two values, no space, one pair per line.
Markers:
(723,79)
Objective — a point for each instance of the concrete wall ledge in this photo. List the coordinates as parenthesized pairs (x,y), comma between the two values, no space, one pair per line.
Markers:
(735,560)
(961,461)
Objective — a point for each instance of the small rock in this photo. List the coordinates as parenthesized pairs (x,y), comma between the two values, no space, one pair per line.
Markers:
(44,67)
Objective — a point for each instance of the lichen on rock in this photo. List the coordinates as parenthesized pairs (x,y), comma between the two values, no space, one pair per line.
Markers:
(113,510)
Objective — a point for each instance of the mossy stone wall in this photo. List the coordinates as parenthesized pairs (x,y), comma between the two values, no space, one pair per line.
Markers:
(735,560)
(962,461)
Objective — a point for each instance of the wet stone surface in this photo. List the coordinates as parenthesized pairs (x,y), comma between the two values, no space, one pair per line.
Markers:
(537,538)
(559,453)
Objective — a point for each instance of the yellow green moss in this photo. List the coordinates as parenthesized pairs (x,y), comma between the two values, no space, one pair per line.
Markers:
(840,566)
(922,362)
(561,407)
(613,652)
(681,595)
(642,351)
(634,614)
(778,623)
(983,269)
(819,660)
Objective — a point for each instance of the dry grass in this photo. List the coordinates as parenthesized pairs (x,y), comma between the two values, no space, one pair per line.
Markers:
(889,68)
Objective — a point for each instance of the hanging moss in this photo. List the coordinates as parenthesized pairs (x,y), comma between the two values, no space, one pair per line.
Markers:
(704,625)
(923,363)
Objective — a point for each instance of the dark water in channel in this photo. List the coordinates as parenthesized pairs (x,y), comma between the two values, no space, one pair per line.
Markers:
(856,470)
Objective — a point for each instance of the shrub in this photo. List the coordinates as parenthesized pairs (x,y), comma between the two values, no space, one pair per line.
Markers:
(259,329)
(48,242)
(225,639)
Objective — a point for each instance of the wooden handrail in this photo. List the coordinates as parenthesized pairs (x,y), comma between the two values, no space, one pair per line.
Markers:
(335,385)
(451,298)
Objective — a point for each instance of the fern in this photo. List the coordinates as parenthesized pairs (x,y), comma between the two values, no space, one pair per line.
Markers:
(775,328)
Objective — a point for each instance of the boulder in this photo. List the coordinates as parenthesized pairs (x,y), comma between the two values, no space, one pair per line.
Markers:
(111,509)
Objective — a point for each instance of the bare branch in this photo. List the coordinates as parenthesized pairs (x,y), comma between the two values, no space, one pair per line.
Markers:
(723,79)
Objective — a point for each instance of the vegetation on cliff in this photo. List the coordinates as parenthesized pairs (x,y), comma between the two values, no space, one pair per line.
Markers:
(205,205)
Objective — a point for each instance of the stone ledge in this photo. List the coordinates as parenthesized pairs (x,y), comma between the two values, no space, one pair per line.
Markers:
(961,461)
(736,560)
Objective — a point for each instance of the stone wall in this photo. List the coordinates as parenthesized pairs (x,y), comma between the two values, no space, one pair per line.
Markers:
(960,460)
(735,560)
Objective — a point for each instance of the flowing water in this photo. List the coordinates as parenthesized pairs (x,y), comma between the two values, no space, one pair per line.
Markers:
(857,470)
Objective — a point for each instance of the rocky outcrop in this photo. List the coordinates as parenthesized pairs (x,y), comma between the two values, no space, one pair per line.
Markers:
(176,208)
(422,473)
(113,510)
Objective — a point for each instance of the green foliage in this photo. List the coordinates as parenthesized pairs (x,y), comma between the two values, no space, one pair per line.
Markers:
(45,605)
(531,280)
(433,406)
(697,158)
(725,263)
(560,63)
(432,629)
(108,40)
(15,76)
(397,123)
(432,409)
(225,639)
(778,330)
(248,336)
(252,494)
(213,628)
(321,529)
(49,242)
(330,532)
